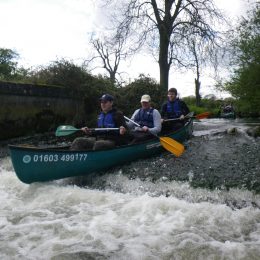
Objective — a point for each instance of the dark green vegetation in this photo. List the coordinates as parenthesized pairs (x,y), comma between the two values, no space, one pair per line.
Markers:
(8,65)
(243,86)
(65,74)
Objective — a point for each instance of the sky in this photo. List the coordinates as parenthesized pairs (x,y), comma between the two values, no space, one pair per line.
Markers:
(42,31)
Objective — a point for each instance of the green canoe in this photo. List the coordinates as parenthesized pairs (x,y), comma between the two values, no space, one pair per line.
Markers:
(228,115)
(34,164)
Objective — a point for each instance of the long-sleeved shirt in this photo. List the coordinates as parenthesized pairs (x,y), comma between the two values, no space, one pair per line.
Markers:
(156,122)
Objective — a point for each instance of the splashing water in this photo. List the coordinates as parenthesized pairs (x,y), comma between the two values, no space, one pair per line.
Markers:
(59,221)
(127,213)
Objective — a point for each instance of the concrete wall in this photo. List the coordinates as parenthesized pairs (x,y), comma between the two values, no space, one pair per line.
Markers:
(27,109)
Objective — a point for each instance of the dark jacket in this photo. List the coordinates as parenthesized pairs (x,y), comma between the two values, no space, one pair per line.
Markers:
(183,107)
(119,120)
(111,119)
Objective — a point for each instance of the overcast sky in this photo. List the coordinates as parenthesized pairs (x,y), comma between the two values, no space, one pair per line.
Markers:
(42,31)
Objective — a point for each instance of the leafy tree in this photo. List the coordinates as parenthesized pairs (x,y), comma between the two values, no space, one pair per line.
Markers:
(8,65)
(61,72)
(130,96)
(245,81)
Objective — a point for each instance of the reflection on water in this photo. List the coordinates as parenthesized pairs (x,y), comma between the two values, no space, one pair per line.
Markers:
(127,213)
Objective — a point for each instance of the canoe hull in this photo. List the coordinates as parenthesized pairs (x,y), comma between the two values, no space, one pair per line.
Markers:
(38,165)
(228,115)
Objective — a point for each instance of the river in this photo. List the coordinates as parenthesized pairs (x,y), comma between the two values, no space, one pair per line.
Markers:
(203,205)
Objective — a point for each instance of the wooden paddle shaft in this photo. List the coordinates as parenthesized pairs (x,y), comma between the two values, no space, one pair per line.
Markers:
(168,143)
(140,126)
(176,119)
(199,116)
(132,121)
(104,129)
(92,129)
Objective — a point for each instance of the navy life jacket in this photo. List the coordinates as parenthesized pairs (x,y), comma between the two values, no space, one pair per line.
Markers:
(144,117)
(173,109)
(106,120)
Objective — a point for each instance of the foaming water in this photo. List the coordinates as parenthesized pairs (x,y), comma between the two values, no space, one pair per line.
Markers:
(144,220)
(218,125)
(235,198)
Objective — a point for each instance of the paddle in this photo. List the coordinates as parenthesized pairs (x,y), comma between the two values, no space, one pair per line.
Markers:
(167,143)
(64,130)
(199,116)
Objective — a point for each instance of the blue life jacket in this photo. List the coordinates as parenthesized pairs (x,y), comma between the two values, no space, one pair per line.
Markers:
(106,120)
(144,117)
(173,109)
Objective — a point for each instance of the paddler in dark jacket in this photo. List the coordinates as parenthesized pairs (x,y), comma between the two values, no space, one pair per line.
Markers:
(174,108)
(109,117)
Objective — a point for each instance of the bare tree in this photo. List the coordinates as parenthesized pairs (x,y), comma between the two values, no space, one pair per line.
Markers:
(197,67)
(111,50)
(167,25)
(110,56)
(203,54)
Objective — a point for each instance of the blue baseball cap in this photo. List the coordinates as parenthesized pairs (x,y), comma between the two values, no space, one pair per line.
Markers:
(106,97)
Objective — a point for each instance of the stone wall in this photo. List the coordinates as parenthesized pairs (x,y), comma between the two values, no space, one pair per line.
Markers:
(27,109)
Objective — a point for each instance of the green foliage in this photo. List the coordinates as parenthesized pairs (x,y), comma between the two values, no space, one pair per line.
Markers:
(130,96)
(93,89)
(245,82)
(66,73)
(8,65)
(62,73)
(207,105)
(191,100)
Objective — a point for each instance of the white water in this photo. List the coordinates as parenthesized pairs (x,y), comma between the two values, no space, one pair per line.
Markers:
(56,221)
(59,221)
(217,125)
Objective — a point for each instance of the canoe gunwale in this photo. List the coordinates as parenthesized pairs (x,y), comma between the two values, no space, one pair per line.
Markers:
(66,148)
(41,164)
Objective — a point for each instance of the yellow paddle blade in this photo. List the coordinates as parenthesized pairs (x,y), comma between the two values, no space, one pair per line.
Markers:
(172,146)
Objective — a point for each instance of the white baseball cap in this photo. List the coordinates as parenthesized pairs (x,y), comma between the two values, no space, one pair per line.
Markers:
(145,98)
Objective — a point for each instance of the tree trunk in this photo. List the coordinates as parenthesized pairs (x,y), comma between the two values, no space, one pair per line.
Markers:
(164,77)
(197,92)
(112,77)
(163,60)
